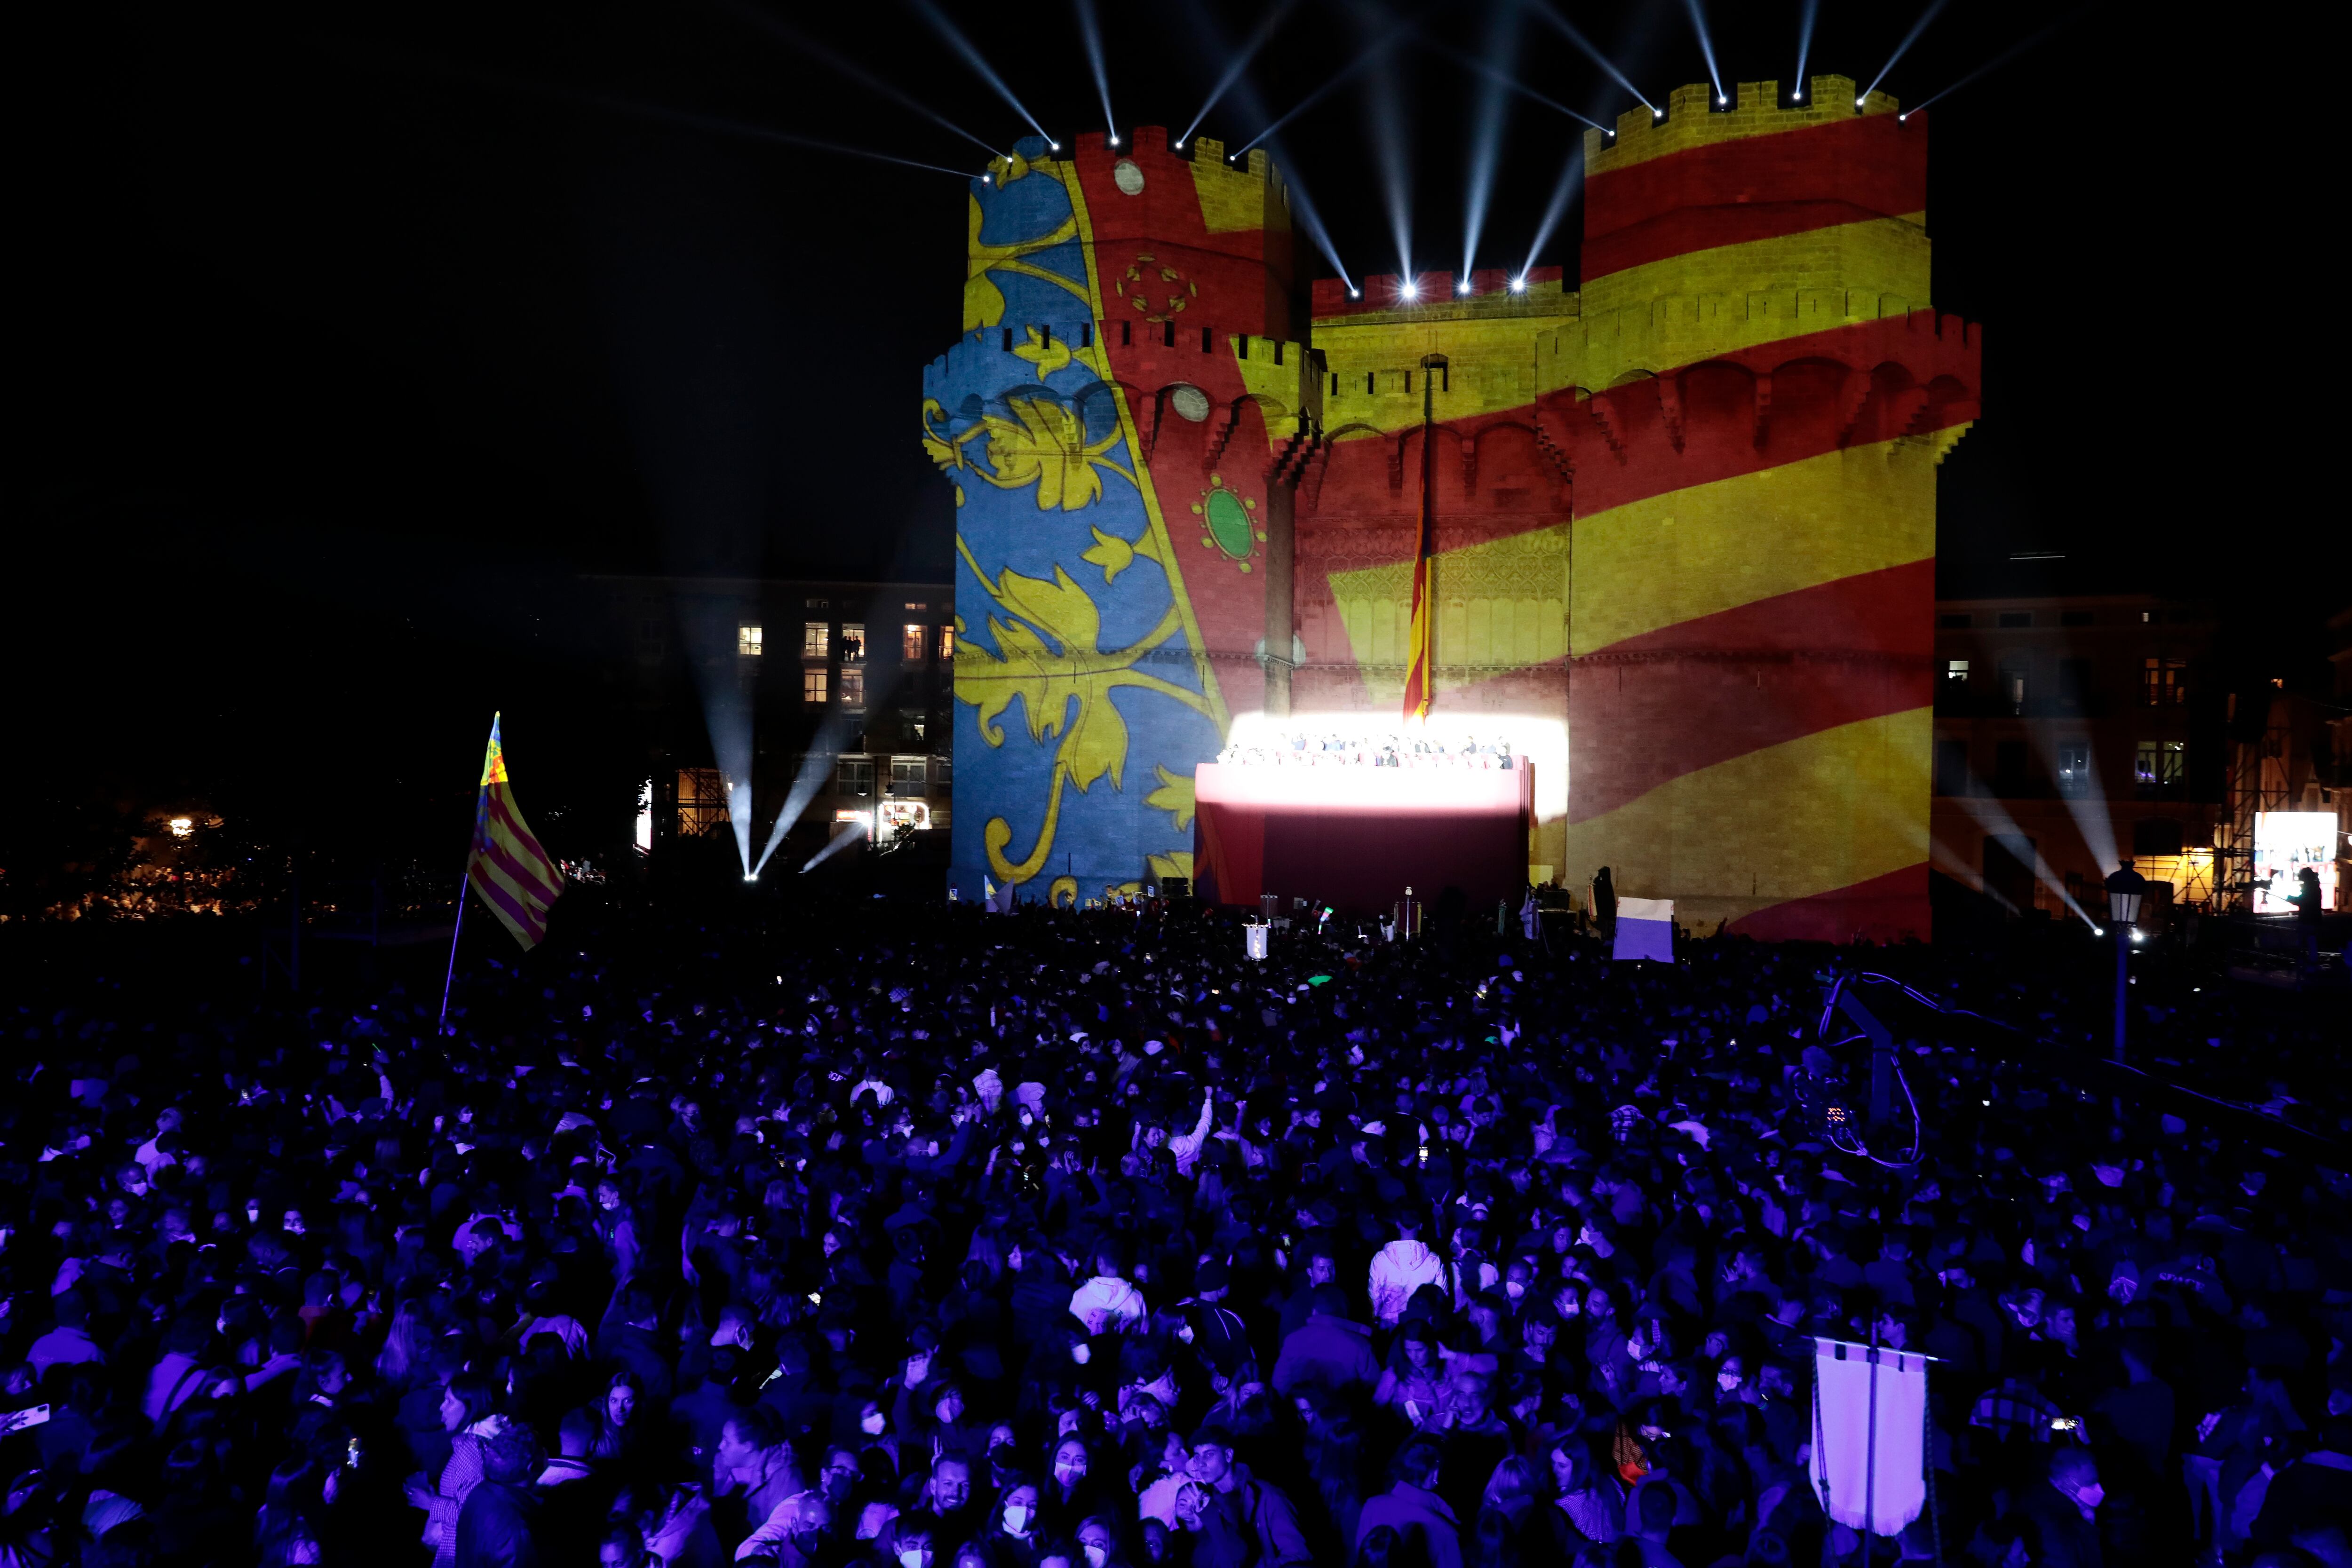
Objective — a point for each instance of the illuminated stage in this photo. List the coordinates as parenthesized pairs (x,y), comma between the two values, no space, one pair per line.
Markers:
(1357,837)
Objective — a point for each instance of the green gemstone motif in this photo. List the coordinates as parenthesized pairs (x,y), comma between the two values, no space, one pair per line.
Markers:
(1229,523)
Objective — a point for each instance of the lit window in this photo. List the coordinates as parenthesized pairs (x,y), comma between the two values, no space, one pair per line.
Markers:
(816,641)
(747,642)
(916,724)
(947,642)
(912,605)
(811,685)
(853,641)
(2162,764)
(852,685)
(701,800)
(911,648)
(2164,683)
(1956,671)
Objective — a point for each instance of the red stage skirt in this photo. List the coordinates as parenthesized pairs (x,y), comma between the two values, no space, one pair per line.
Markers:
(1357,837)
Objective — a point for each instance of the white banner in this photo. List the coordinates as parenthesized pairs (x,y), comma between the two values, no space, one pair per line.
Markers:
(1876,1472)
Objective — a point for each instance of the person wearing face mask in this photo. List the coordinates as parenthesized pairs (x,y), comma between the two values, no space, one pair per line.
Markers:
(1097,1539)
(1012,1537)
(2060,1517)
(911,1545)
(1068,1493)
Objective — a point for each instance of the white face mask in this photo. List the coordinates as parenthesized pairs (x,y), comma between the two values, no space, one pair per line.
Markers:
(914,1556)
(1082,1353)
(1016,1518)
(1513,1289)
(875,1423)
(1097,1557)
(1727,1381)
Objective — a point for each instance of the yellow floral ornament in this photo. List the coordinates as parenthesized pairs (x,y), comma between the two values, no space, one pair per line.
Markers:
(1048,354)
(1174,796)
(1051,659)
(983,302)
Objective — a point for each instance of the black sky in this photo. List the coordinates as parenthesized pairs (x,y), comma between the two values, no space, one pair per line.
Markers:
(347,339)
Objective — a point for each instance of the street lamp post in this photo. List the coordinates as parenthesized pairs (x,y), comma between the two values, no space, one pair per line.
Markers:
(2125,890)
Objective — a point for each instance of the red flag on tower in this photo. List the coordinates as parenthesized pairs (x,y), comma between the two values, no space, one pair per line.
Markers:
(505,865)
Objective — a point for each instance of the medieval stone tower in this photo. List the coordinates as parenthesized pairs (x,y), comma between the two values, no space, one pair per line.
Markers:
(1686,514)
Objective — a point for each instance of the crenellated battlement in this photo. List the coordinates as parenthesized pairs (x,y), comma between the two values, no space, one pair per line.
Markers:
(1436,297)
(1284,376)
(1692,120)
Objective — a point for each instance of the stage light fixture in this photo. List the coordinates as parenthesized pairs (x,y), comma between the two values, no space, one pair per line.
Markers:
(1408,291)
(1114,141)
(1520,285)
(1179,144)
(1721,101)
(1656,113)
(1355,294)
(1463,287)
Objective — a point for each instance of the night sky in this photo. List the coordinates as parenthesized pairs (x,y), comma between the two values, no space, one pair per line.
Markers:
(347,340)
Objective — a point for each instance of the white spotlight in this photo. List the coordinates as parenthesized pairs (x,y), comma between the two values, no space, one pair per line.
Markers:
(1179,144)
(1656,113)
(1858,102)
(1055,145)
(1463,287)
(1354,293)
(1408,291)
(1114,141)
(1518,284)
(1720,99)
(750,876)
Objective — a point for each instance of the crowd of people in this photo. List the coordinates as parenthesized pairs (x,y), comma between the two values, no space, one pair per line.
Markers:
(922,1237)
(1300,749)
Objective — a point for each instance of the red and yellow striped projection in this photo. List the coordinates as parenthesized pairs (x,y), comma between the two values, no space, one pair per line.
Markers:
(1715,464)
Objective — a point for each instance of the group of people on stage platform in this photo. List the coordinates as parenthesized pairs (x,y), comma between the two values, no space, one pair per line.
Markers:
(891,1236)
(1285,749)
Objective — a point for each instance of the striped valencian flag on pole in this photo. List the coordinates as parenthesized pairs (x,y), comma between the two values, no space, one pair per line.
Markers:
(506,865)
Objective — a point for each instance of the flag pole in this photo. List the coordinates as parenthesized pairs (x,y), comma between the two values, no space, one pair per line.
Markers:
(442,1027)
(481,802)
